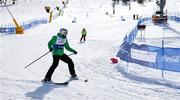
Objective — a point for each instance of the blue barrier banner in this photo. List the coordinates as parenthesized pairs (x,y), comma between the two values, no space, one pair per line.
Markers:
(151,56)
(169,59)
(144,55)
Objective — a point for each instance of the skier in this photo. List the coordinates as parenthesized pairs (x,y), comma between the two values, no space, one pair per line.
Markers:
(56,46)
(83,35)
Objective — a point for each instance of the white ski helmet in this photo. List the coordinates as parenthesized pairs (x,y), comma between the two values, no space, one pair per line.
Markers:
(63,31)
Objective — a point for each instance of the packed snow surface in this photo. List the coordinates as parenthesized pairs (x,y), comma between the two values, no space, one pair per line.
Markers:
(105,33)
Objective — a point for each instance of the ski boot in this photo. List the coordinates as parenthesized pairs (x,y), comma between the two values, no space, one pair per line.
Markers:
(46,80)
(74,77)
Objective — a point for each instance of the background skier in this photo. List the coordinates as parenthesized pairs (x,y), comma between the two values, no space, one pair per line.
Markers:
(83,35)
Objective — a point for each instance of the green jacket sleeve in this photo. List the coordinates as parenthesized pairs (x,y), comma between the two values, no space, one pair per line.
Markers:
(68,47)
(51,42)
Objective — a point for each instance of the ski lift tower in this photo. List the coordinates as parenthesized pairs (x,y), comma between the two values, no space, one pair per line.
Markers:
(160,16)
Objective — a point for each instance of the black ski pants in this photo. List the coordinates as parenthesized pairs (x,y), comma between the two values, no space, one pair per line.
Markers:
(83,37)
(55,63)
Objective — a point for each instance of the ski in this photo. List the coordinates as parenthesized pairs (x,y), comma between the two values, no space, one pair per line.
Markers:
(83,80)
(64,83)
(57,83)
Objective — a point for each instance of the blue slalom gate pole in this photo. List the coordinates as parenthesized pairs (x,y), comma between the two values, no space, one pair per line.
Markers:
(163,60)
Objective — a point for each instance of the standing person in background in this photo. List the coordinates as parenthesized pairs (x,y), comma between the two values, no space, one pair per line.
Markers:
(83,35)
(137,16)
(134,16)
(64,3)
(56,45)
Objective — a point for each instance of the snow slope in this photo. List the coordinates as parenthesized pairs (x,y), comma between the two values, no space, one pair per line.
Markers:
(106,81)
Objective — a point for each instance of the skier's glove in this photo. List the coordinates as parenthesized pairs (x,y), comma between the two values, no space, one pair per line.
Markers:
(75,52)
(50,50)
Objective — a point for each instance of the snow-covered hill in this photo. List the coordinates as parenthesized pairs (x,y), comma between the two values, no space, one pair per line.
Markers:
(106,81)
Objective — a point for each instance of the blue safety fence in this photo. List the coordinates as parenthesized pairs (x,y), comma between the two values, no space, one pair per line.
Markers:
(28,24)
(10,30)
(34,23)
(174,18)
(150,56)
(25,25)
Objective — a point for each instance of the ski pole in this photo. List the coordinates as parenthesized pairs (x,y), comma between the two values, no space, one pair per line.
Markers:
(37,59)
(70,54)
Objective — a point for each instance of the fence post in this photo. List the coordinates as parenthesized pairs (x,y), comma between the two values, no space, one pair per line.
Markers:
(50,18)
(162,60)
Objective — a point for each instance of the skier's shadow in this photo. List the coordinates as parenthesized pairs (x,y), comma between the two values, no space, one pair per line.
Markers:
(41,91)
